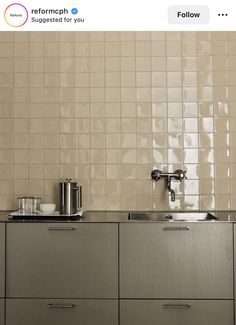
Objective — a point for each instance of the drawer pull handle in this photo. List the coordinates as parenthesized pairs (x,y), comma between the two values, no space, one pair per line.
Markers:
(61,306)
(175,228)
(61,228)
(176,306)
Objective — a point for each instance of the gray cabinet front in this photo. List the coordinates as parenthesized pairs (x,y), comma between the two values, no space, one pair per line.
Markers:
(176,260)
(2,311)
(176,312)
(2,260)
(62,260)
(61,312)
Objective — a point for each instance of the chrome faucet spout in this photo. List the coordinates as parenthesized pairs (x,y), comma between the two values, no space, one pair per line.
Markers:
(172,195)
(170,190)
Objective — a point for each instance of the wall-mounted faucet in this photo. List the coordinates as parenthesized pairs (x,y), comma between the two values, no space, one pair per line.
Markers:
(179,175)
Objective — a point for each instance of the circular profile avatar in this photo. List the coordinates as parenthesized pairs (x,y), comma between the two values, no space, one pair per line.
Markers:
(16,15)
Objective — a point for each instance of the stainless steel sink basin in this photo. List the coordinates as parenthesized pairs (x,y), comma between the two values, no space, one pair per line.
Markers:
(172,216)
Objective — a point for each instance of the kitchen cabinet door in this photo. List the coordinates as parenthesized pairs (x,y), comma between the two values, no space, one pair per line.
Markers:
(61,312)
(2,260)
(176,260)
(195,312)
(62,260)
(2,311)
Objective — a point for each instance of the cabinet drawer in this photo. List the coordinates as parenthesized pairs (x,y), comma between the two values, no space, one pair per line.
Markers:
(177,312)
(2,260)
(61,312)
(62,260)
(176,260)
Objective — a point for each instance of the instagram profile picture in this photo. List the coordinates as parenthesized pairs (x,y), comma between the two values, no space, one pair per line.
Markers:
(16,15)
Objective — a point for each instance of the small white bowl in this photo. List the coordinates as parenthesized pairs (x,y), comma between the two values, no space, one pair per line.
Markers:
(47,207)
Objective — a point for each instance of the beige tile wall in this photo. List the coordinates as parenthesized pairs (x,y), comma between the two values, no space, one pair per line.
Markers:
(107,108)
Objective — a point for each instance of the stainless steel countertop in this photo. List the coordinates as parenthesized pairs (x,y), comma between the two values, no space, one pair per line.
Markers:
(114,216)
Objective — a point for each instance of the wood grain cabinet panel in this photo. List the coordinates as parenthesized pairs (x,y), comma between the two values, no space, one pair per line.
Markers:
(61,312)
(176,312)
(62,260)
(176,260)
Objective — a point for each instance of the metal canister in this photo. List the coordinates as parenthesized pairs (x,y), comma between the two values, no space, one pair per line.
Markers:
(28,204)
(70,197)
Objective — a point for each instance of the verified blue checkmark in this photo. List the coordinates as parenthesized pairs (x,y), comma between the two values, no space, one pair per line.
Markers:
(74,11)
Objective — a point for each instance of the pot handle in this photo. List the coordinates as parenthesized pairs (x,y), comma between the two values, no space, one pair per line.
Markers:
(79,196)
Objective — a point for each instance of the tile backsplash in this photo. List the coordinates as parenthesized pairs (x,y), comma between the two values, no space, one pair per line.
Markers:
(105,108)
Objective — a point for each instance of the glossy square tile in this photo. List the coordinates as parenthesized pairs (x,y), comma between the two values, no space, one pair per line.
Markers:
(66,141)
(175,155)
(113,156)
(207,140)
(173,63)
(98,156)
(160,156)
(144,125)
(159,125)
(204,48)
(113,109)
(189,64)
(174,124)
(158,48)
(129,156)
(143,63)
(82,140)
(159,109)
(144,110)
(189,48)
(191,202)
(222,155)
(175,140)
(113,79)
(129,171)
(144,140)
(174,95)
(173,48)
(207,202)
(190,125)
(98,125)
(206,124)
(159,140)
(159,94)
(127,64)
(206,155)
(36,141)
(82,156)
(158,79)
(20,171)
(127,48)
(98,140)
(128,140)
(205,109)
(113,171)
(191,156)
(157,64)
(191,140)
(129,186)
(128,95)
(223,171)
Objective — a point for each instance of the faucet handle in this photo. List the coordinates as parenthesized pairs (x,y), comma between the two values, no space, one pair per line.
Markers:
(156,174)
(180,174)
